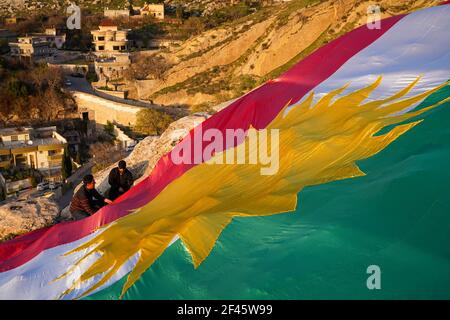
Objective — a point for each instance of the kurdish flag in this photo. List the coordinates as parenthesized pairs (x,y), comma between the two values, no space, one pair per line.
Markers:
(362,179)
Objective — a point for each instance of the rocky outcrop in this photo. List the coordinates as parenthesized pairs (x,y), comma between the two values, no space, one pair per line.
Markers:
(223,63)
(21,216)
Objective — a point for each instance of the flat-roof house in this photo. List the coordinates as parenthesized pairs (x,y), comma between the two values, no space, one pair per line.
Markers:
(41,149)
(111,49)
(154,10)
(53,36)
(109,13)
(30,47)
(109,39)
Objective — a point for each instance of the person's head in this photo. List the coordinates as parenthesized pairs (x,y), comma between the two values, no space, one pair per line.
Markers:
(122,166)
(89,182)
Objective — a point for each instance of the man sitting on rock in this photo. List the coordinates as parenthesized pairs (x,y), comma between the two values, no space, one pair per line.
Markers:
(120,180)
(87,200)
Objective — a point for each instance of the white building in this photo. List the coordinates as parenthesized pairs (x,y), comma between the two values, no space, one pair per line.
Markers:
(52,36)
(109,39)
(111,46)
(124,141)
(41,149)
(153,10)
(113,14)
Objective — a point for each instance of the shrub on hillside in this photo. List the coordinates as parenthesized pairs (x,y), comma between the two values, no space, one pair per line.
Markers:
(152,122)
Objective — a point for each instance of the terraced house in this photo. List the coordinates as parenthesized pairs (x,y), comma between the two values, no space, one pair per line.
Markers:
(40,149)
(109,39)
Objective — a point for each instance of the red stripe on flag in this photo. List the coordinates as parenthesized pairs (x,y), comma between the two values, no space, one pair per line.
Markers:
(257,108)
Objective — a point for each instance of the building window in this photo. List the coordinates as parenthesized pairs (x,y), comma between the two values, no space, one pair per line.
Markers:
(101,48)
(116,48)
(14,138)
(122,48)
(101,38)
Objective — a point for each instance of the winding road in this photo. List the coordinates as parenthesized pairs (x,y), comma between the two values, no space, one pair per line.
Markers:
(83,86)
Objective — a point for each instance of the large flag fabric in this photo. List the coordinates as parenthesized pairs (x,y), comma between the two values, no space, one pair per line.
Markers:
(364,142)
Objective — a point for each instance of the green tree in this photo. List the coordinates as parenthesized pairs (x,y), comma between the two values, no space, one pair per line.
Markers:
(66,165)
(91,77)
(109,128)
(78,157)
(151,122)
(33,180)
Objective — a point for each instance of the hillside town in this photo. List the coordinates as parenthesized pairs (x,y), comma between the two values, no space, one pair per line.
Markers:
(43,158)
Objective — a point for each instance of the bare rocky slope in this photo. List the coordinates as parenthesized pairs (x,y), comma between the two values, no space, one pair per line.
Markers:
(223,63)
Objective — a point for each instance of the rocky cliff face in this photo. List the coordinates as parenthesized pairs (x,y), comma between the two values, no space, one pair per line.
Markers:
(225,62)
(22,216)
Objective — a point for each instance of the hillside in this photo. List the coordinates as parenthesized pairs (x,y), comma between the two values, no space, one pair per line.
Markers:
(225,62)
(23,6)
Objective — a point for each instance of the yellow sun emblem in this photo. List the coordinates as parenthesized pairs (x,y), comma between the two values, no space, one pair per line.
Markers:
(318,143)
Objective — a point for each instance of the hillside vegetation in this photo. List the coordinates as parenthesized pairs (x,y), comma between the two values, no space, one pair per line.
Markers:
(224,62)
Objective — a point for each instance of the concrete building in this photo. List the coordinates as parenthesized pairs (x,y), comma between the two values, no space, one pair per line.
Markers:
(113,14)
(111,45)
(41,149)
(7,35)
(112,67)
(109,39)
(123,141)
(54,37)
(30,48)
(154,10)
(9,186)
(73,140)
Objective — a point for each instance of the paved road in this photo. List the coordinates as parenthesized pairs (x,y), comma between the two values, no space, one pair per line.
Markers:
(75,179)
(64,201)
(82,85)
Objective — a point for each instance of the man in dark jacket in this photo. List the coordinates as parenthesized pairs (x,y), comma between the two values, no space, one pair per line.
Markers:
(120,180)
(87,200)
